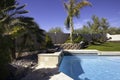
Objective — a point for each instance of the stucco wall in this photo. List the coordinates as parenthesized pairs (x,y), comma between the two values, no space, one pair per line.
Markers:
(113,37)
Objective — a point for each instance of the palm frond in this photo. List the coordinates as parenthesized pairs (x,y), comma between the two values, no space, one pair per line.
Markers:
(83,3)
(76,12)
(21,12)
(20,7)
(8,8)
(66,6)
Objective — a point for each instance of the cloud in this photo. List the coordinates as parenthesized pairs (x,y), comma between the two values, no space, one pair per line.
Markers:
(119,13)
(86,20)
(114,22)
(80,24)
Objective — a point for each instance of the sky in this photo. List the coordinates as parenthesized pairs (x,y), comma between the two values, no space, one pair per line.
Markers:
(51,13)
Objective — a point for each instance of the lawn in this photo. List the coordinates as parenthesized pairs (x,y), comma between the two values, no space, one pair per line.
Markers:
(108,46)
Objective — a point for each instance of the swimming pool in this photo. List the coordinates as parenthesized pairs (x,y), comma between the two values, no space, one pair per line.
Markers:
(91,67)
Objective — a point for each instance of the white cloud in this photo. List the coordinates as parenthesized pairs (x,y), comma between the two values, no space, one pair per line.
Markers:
(115,22)
(119,12)
(77,25)
(86,20)
(80,24)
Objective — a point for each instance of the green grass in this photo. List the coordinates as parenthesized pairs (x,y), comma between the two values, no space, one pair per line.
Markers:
(108,46)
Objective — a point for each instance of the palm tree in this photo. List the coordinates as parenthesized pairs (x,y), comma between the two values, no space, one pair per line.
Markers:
(13,24)
(73,9)
(9,13)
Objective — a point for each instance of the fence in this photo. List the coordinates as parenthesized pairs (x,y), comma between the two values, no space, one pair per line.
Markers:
(60,38)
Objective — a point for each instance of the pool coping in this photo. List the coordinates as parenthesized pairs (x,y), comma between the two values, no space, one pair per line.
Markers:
(94,51)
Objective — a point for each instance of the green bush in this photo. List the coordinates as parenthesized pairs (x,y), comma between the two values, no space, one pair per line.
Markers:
(68,40)
(78,39)
(75,39)
(49,43)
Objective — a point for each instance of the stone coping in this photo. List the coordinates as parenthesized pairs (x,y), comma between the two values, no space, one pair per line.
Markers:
(110,53)
(107,53)
(51,54)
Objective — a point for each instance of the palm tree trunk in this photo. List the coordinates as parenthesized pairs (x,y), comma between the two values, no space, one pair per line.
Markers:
(71,29)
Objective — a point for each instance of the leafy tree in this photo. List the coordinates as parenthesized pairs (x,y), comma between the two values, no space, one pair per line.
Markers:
(73,9)
(114,30)
(55,29)
(84,30)
(104,25)
(96,26)
(30,38)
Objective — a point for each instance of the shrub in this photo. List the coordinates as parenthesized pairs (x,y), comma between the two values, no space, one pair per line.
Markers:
(48,41)
(78,39)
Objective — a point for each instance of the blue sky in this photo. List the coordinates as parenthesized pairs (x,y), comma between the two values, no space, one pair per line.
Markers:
(51,13)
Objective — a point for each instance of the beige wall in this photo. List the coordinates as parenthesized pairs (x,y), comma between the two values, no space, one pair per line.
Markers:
(49,60)
(114,37)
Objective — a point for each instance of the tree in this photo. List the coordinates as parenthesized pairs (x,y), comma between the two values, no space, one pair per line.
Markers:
(98,25)
(55,29)
(13,25)
(113,30)
(104,25)
(83,30)
(73,9)
(31,38)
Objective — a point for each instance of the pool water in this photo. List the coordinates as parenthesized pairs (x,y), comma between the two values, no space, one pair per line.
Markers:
(91,67)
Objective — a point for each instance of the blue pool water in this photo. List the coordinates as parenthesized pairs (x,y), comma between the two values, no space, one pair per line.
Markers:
(86,67)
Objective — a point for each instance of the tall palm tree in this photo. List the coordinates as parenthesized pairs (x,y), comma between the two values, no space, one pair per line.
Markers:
(73,9)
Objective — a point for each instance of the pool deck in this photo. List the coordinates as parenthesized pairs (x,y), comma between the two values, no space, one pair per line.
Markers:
(61,76)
